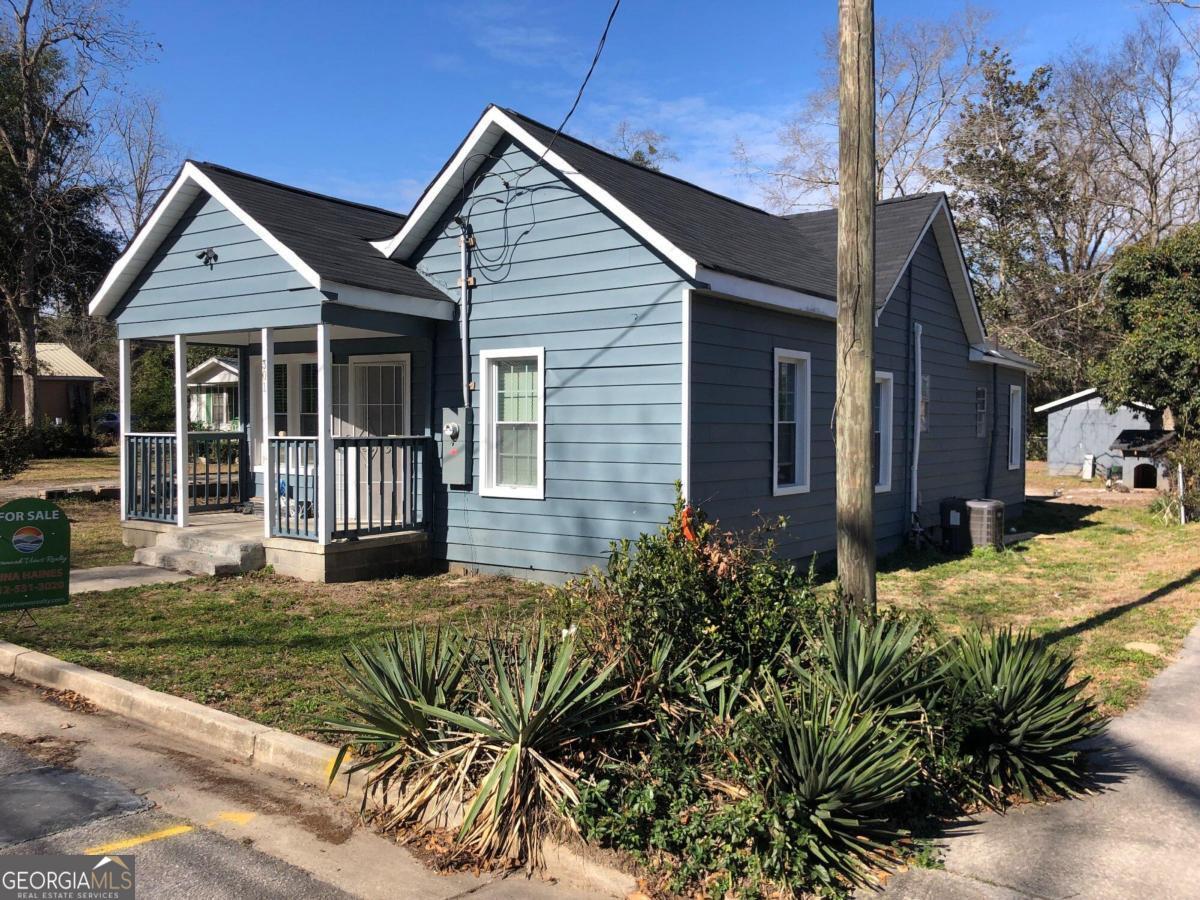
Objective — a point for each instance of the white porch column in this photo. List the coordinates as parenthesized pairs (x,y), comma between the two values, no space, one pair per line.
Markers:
(327,480)
(181,431)
(123,398)
(270,487)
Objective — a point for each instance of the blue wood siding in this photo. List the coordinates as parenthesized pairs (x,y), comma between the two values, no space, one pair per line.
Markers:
(564,276)
(249,286)
(733,392)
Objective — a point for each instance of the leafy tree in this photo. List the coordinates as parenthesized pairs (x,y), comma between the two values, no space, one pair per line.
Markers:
(1154,295)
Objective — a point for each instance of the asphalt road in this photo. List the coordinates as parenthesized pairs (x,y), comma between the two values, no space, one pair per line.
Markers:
(74,780)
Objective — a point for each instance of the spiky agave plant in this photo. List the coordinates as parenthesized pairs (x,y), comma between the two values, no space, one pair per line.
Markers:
(830,770)
(1026,718)
(539,703)
(877,664)
(386,731)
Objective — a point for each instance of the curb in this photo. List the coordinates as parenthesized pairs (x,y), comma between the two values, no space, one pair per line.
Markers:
(267,749)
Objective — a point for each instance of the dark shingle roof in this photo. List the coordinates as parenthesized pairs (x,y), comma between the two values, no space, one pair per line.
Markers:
(332,236)
(1146,441)
(798,252)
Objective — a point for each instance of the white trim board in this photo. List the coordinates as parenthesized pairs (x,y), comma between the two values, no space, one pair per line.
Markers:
(1085,394)
(487,487)
(187,186)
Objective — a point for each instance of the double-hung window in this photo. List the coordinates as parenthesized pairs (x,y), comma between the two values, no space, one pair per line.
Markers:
(513,410)
(980,412)
(883,432)
(309,417)
(1016,427)
(792,414)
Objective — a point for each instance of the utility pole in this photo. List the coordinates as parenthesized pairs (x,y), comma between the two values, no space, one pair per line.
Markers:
(853,413)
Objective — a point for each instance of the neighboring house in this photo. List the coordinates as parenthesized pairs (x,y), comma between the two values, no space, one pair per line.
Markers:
(622,331)
(1078,426)
(66,386)
(213,394)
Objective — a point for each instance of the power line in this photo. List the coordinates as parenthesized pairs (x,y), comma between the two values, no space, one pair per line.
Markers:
(586,78)
(1166,7)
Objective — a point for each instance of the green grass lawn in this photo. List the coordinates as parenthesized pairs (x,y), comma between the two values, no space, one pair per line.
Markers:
(105,466)
(260,646)
(1095,580)
(95,534)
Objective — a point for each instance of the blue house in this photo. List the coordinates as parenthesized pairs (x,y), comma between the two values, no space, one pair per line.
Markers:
(520,370)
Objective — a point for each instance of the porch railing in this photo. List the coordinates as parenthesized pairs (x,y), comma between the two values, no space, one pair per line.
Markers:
(293,476)
(150,486)
(215,469)
(378,484)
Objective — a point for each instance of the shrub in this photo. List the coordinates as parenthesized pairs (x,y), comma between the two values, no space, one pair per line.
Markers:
(1024,720)
(878,664)
(714,591)
(829,771)
(51,441)
(15,447)
(387,732)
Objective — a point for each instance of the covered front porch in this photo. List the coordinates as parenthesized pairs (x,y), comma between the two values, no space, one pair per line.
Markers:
(326,464)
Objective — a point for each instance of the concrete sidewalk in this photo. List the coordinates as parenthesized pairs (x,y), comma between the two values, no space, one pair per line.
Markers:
(111,578)
(1139,837)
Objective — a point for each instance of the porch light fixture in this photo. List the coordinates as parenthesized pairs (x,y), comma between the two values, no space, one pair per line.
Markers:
(208,256)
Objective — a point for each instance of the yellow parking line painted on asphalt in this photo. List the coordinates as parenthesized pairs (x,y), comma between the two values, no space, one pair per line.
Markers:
(236,817)
(118,846)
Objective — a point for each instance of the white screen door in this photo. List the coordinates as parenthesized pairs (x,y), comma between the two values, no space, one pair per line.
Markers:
(372,398)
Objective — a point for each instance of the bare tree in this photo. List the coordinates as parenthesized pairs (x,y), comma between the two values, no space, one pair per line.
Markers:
(60,58)
(923,71)
(644,146)
(139,163)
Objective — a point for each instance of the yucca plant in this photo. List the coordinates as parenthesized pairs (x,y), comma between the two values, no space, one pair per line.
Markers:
(539,704)
(1026,718)
(876,664)
(387,732)
(830,770)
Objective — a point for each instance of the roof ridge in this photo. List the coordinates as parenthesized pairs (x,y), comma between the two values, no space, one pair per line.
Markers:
(667,175)
(923,195)
(205,164)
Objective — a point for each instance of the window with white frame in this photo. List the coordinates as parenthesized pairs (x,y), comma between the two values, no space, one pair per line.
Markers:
(513,413)
(925,390)
(309,417)
(883,431)
(1016,427)
(792,412)
(981,412)
(281,398)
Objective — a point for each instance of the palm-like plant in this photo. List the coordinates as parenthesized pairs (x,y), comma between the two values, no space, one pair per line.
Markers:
(1026,718)
(877,664)
(386,730)
(539,703)
(832,769)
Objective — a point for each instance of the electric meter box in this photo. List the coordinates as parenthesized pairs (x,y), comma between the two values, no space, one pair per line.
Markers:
(456,446)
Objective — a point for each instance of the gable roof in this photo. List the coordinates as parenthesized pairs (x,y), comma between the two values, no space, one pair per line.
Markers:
(1080,397)
(220,366)
(326,240)
(704,234)
(56,360)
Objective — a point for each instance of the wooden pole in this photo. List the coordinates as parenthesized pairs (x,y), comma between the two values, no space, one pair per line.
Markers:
(856,302)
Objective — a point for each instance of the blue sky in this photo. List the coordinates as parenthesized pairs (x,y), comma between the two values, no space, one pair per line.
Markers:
(367,99)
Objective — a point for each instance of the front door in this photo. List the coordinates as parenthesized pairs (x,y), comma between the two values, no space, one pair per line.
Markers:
(372,398)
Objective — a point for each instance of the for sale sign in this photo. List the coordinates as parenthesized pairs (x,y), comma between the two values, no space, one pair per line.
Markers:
(35,555)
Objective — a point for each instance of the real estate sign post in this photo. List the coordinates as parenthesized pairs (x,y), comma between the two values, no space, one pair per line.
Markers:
(35,555)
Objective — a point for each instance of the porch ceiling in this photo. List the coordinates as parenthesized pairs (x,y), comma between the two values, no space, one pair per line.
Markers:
(346,322)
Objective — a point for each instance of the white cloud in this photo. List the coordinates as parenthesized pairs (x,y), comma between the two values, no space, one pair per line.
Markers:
(398,194)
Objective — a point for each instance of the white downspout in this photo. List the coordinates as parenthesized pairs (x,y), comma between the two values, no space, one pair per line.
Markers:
(917,379)
(464,312)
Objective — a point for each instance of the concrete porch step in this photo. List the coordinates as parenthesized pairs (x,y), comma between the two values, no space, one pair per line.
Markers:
(190,561)
(235,545)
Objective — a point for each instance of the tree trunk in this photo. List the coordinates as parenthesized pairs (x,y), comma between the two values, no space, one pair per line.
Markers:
(856,303)
(27,331)
(6,363)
